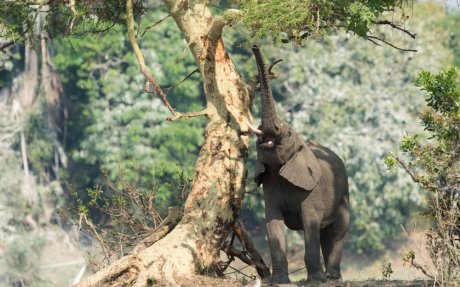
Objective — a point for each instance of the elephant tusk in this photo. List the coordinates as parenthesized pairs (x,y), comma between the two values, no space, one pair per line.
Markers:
(254,130)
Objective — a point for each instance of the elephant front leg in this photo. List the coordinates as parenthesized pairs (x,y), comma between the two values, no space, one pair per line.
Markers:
(277,244)
(311,225)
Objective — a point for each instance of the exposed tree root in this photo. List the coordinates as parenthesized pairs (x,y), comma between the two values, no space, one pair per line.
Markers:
(173,255)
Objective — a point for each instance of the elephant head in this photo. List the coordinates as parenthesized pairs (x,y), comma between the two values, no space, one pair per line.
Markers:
(279,147)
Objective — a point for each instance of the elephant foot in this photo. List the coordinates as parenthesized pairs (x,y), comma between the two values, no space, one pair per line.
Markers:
(334,275)
(316,279)
(279,279)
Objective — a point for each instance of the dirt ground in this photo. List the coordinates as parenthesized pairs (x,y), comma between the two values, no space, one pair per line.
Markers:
(63,261)
(204,281)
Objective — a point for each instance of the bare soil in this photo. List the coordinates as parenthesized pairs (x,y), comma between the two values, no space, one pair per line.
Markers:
(204,281)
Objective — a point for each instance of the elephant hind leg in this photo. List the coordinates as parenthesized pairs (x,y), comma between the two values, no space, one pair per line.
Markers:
(337,238)
(326,237)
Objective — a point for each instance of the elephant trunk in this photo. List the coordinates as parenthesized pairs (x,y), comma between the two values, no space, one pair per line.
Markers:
(270,122)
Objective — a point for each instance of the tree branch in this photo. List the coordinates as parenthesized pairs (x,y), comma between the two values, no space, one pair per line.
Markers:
(411,174)
(409,257)
(183,80)
(140,57)
(175,214)
(178,115)
(371,38)
(154,24)
(254,256)
(386,22)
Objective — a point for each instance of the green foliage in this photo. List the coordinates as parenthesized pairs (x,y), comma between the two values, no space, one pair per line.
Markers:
(386,270)
(297,20)
(435,166)
(18,18)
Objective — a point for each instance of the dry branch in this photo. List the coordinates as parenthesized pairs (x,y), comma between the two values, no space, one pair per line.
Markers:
(409,257)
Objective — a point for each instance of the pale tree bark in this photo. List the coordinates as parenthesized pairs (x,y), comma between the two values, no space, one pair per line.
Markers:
(218,186)
(24,101)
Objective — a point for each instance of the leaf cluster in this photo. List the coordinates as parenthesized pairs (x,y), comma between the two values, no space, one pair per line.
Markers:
(297,20)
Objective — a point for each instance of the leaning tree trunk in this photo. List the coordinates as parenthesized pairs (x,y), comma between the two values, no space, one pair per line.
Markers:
(218,185)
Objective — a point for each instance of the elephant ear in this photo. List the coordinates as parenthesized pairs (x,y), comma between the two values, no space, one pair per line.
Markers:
(260,170)
(303,169)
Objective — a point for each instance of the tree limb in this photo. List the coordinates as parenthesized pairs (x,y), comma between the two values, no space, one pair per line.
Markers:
(409,257)
(178,115)
(140,57)
(254,256)
(371,38)
(412,175)
(154,24)
(175,214)
(183,80)
(386,22)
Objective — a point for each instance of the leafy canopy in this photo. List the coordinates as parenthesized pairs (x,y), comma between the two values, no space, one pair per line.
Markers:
(296,20)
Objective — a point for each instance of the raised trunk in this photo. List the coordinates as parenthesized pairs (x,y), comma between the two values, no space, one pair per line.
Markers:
(269,120)
(219,182)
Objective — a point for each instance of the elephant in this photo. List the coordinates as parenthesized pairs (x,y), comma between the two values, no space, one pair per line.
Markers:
(305,187)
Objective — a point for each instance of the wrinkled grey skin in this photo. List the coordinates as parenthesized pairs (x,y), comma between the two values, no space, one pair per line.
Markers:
(305,188)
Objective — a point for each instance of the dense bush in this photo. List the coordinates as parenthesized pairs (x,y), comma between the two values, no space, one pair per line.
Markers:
(432,160)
